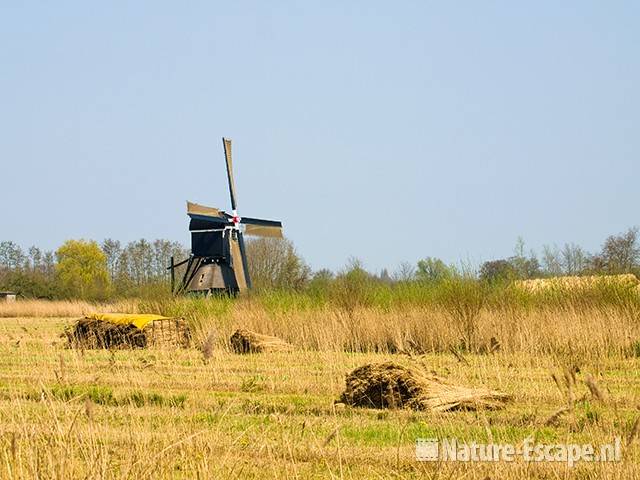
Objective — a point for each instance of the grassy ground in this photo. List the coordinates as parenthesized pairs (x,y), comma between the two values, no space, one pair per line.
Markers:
(174,414)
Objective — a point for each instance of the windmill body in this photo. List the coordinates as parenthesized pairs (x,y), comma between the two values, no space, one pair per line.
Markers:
(218,261)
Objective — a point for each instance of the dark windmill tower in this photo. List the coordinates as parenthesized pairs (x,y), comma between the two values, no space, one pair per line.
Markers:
(218,260)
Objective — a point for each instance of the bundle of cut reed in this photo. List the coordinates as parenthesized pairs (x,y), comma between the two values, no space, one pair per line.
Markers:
(128,331)
(390,385)
(245,341)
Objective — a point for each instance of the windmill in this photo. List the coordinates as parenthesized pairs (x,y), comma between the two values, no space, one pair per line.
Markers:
(218,261)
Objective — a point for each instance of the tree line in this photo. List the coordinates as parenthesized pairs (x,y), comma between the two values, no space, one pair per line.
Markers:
(619,254)
(86,269)
(98,271)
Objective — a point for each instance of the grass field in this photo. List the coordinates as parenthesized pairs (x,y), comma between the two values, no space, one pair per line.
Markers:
(176,414)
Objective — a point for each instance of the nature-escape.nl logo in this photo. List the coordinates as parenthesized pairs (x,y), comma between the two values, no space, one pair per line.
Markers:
(451,450)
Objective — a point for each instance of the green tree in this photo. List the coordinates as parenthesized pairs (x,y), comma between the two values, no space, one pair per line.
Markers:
(82,270)
(525,267)
(433,270)
(497,270)
(321,282)
(353,286)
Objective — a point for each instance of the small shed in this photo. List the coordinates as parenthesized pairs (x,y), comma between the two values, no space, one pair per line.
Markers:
(7,297)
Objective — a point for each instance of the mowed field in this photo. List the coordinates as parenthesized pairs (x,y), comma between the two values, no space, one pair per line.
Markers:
(176,414)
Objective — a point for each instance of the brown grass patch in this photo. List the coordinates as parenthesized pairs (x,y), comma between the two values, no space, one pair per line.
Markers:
(62,308)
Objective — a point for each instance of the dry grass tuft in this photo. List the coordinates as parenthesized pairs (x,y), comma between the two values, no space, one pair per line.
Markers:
(594,388)
(390,385)
(555,417)
(208,346)
(633,433)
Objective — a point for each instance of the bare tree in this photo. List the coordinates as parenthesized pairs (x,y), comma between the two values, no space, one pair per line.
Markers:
(162,252)
(621,253)
(274,263)
(574,259)
(552,260)
(35,259)
(404,273)
(48,263)
(112,250)
(518,250)
(11,256)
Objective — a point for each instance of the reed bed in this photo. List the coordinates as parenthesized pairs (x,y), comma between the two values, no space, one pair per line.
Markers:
(63,308)
(462,315)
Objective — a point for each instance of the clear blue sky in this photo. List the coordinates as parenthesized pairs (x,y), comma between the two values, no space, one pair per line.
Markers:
(384,131)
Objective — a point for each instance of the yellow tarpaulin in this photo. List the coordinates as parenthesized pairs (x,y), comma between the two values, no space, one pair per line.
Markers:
(140,320)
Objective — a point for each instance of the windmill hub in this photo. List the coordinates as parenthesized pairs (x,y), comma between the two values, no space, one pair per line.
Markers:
(218,261)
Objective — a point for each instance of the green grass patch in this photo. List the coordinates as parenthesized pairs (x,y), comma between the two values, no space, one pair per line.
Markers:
(101,395)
